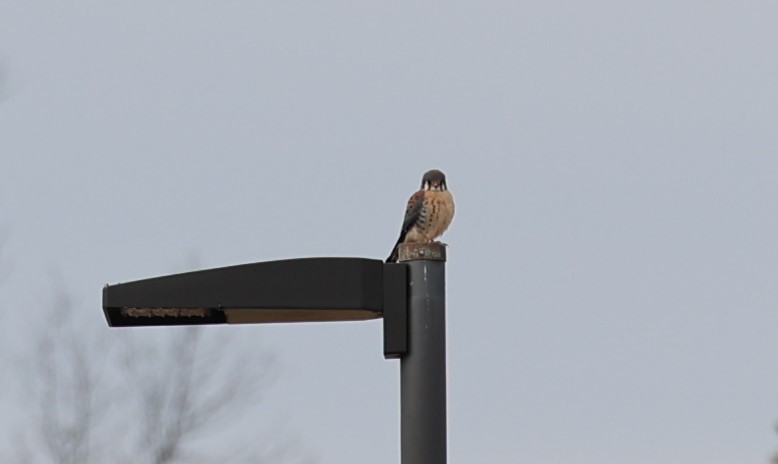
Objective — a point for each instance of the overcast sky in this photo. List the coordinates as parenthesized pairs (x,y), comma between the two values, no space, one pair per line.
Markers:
(613,263)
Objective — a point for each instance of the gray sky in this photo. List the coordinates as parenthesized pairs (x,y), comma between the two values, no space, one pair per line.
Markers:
(612,272)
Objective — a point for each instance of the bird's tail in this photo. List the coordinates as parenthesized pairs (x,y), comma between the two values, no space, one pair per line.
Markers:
(393,257)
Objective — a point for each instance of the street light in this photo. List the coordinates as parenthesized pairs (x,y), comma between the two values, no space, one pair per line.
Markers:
(409,296)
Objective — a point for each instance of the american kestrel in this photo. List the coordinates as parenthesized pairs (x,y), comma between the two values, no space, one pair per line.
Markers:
(428,214)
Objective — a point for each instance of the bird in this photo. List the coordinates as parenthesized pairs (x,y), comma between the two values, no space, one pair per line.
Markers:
(428,214)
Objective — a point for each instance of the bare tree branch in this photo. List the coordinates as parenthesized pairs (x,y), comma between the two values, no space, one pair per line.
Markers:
(189,390)
(67,380)
(153,395)
(774,459)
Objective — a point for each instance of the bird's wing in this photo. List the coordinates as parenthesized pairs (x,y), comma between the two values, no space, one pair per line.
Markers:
(412,211)
(412,215)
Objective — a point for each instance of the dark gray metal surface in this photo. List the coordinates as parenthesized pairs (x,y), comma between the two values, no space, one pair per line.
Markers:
(288,290)
(395,310)
(423,367)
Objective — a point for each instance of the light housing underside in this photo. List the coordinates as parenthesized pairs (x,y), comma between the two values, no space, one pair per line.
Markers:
(254,316)
(185,316)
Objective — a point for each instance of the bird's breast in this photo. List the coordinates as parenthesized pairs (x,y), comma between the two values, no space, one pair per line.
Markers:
(438,213)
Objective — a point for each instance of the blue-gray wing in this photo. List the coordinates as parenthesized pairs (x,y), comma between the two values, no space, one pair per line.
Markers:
(412,215)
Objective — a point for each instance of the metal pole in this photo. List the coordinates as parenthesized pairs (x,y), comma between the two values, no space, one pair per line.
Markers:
(423,367)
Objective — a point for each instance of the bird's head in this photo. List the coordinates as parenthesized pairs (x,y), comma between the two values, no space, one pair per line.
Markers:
(434,180)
